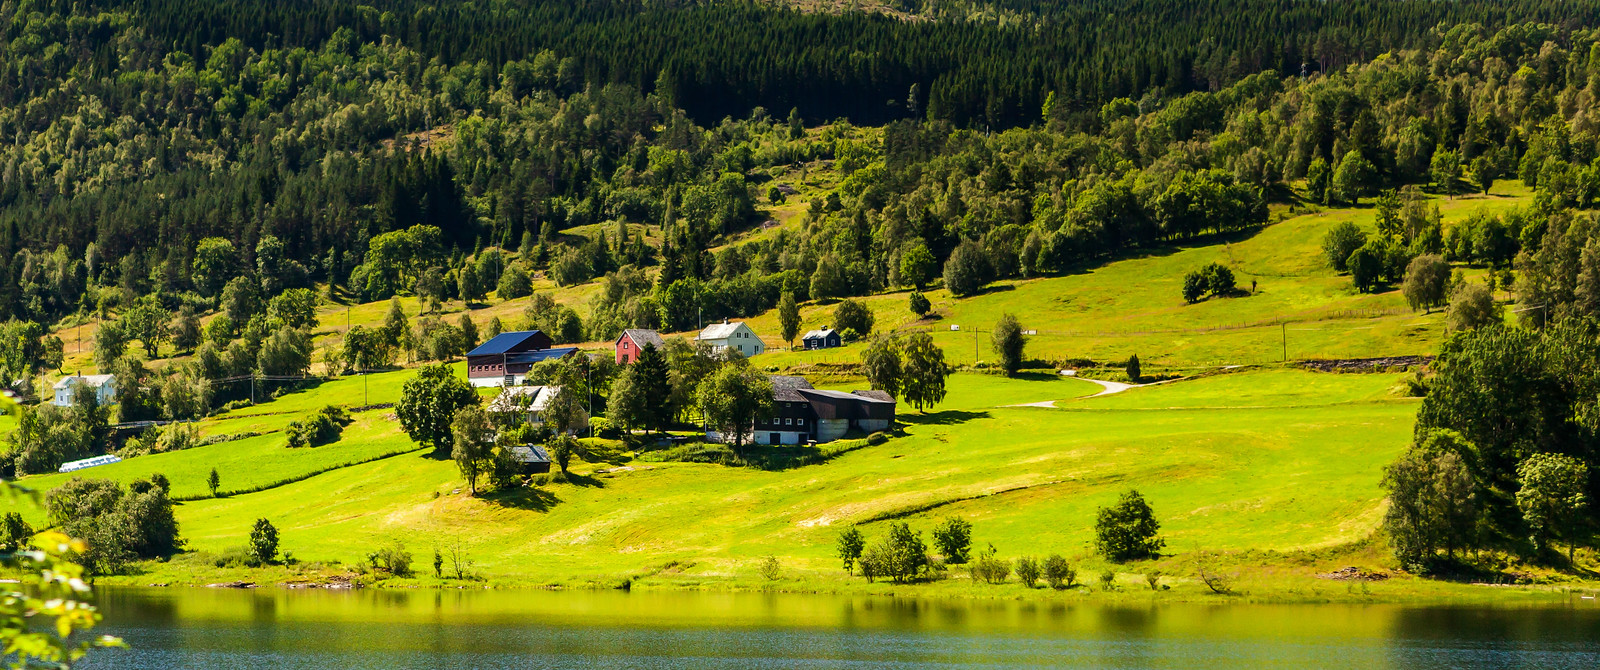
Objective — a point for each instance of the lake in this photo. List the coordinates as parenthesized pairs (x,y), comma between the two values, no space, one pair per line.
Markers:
(277,628)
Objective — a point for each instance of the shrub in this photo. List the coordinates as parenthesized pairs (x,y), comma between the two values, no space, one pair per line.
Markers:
(852,315)
(1340,242)
(1214,279)
(263,541)
(321,428)
(1153,578)
(1219,279)
(1108,580)
(900,556)
(1209,576)
(1058,573)
(118,527)
(393,559)
(877,438)
(1194,286)
(1027,570)
(1128,530)
(989,569)
(233,558)
(953,537)
(1134,371)
(919,304)
(770,569)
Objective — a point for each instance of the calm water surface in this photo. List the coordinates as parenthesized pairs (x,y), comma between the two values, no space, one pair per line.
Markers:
(272,628)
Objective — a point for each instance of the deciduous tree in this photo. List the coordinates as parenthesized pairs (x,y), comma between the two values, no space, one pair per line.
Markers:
(923,372)
(1008,343)
(429,402)
(733,399)
(1128,530)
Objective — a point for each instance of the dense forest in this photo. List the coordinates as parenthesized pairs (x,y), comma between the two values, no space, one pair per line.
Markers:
(162,160)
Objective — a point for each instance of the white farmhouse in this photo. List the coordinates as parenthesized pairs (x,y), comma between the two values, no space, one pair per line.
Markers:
(105,387)
(527,402)
(733,336)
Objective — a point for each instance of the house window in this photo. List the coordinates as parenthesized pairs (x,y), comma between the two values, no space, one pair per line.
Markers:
(800,421)
(787,422)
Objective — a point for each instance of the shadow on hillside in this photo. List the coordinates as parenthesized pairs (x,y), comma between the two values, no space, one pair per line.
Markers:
(585,481)
(529,498)
(993,289)
(948,417)
(1036,376)
(610,454)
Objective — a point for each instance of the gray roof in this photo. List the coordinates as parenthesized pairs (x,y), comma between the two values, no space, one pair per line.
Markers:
(719,331)
(95,381)
(538,398)
(857,396)
(642,337)
(821,332)
(875,394)
(532,453)
(787,389)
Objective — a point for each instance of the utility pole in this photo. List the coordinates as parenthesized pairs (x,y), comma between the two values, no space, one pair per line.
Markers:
(588,393)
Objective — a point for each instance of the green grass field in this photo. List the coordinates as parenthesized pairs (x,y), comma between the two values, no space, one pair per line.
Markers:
(1133,306)
(1236,472)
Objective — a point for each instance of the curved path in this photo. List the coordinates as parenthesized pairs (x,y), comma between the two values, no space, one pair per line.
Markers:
(1106,388)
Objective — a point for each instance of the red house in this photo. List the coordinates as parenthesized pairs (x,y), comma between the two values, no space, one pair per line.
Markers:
(632,342)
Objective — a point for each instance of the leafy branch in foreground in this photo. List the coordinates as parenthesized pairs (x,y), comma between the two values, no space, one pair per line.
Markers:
(42,612)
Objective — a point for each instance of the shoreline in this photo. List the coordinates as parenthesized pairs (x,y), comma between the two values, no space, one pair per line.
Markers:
(1128,588)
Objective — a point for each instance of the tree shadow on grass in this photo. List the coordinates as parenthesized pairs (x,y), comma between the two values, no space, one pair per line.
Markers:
(533,498)
(1036,376)
(948,417)
(585,481)
(610,454)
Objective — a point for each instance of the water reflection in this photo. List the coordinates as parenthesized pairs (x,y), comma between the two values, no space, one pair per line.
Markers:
(272,628)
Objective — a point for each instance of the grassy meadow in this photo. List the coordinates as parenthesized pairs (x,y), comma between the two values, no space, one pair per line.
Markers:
(1254,473)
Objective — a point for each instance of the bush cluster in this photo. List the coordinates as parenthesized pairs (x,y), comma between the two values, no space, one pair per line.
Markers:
(1214,279)
(318,429)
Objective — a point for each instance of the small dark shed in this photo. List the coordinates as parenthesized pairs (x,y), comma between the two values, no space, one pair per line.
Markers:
(533,459)
(825,338)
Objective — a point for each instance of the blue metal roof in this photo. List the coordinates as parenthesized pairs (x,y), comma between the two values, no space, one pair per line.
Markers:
(502,343)
(540,355)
